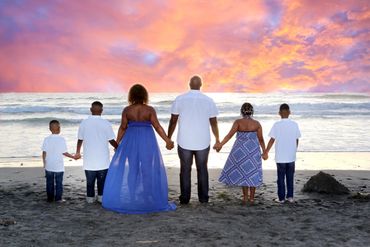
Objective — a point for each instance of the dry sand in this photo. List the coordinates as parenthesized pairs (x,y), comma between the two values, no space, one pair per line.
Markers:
(314,220)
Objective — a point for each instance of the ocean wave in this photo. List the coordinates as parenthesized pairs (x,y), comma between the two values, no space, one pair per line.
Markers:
(56,110)
(164,119)
(63,121)
(263,108)
(40,120)
(313,108)
(343,96)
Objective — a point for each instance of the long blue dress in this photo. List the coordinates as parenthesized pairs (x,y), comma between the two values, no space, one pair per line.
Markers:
(136,182)
(243,167)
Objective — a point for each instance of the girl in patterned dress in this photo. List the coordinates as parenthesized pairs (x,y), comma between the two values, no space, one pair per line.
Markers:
(244,165)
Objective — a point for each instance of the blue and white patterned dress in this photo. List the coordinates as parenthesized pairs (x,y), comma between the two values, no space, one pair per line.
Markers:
(244,164)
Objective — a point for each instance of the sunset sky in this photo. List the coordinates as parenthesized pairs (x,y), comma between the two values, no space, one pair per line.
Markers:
(236,46)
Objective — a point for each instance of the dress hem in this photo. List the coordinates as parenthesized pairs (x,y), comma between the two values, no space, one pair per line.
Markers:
(169,208)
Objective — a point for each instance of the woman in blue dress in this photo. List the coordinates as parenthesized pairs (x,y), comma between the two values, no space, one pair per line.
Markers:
(136,182)
(244,165)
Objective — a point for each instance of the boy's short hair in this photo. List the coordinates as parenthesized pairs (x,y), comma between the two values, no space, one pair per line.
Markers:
(284,107)
(97,103)
(52,122)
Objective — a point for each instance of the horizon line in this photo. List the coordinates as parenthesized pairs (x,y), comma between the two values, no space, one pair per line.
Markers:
(205,91)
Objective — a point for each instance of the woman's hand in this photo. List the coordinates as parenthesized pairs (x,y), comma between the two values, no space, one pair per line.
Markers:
(170,144)
(217,147)
(265,156)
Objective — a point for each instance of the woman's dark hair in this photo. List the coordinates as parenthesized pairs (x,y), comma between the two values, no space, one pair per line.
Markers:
(246,110)
(138,95)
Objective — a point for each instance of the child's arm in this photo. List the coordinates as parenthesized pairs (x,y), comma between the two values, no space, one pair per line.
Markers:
(44,158)
(267,150)
(69,155)
(269,145)
(233,130)
(260,138)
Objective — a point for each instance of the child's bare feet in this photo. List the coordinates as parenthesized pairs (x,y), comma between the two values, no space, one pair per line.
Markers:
(245,194)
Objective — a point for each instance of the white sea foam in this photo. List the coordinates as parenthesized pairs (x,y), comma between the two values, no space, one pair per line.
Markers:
(328,122)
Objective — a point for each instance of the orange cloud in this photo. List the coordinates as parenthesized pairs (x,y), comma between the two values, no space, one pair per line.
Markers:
(251,46)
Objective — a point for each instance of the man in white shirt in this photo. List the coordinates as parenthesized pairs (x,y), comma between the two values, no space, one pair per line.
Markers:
(286,134)
(195,112)
(95,133)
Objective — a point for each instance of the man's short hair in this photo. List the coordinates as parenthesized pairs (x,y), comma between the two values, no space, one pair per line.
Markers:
(52,122)
(195,82)
(97,103)
(195,77)
(284,107)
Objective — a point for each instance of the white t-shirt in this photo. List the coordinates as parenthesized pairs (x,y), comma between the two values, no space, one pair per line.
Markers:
(54,146)
(194,110)
(285,132)
(96,133)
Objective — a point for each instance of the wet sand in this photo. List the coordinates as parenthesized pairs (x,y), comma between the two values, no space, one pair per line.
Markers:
(26,219)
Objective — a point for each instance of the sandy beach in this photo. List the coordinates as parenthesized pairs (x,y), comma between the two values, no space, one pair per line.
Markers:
(26,219)
(93,80)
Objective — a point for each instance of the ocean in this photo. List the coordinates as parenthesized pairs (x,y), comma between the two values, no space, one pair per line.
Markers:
(328,122)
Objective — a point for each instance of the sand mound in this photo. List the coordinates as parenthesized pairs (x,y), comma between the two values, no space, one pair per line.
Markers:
(325,183)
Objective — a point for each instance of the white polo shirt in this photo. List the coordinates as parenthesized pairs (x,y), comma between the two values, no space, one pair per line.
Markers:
(285,132)
(54,146)
(96,133)
(194,110)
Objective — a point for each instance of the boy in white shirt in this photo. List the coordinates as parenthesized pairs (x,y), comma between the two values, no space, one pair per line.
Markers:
(95,133)
(53,149)
(286,134)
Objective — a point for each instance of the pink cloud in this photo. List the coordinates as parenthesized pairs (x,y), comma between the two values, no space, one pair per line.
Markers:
(241,46)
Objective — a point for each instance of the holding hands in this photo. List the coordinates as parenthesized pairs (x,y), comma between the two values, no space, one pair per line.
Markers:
(77,156)
(217,146)
(72,156)
(265,155)
(170,144)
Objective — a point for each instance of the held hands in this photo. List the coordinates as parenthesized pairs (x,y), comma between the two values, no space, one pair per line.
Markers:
(217,147)
(265,155)
(170,144)
(77,156)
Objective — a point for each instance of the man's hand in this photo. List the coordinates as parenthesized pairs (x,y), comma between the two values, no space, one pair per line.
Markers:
(265,156)
(170,145)
(77,156)
(217,147)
